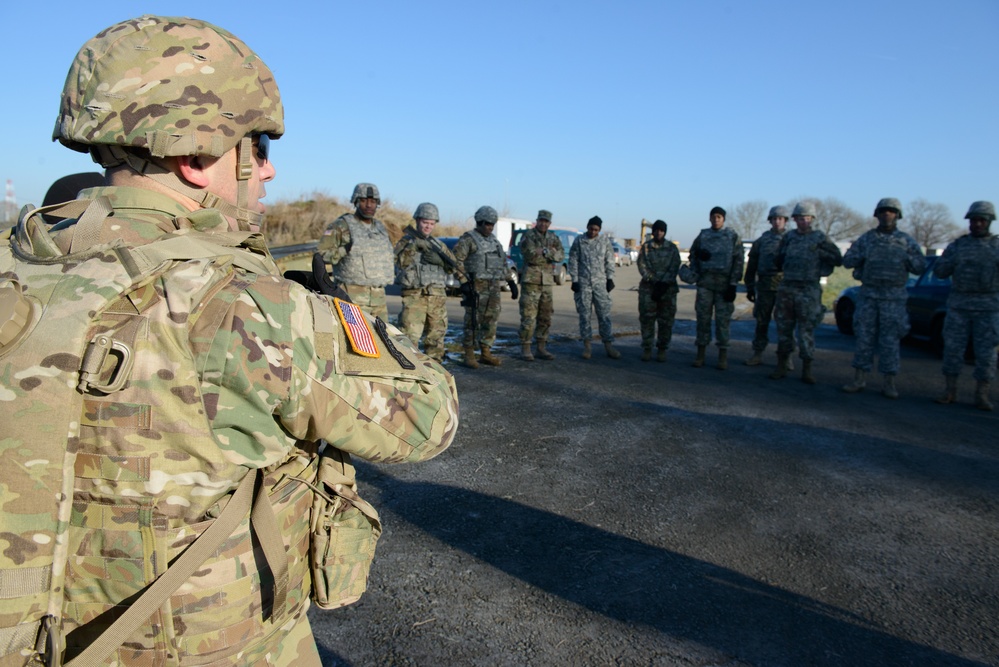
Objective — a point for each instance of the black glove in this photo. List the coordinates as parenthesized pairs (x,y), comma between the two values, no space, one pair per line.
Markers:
(467,289)
(729,295)
(514,290)
(659,290)
(431,257)
(751,294)
(703,254)
(575,287)
(610,285)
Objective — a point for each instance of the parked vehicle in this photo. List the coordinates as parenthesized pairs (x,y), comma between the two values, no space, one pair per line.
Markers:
(560,271)
(451,282)
(622,257)
(927,306)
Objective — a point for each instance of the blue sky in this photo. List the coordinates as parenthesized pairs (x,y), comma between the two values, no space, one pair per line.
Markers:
(619,109)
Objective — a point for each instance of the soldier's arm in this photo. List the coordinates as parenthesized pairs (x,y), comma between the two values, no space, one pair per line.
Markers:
(643,264)
(405,252)
(738,260)
(916,262)
(283,370)
(944,267)
(830,252)
(692,258)
(335,242)
(854,256)
(556,253)
(573,267)
(609,260)
(752,264)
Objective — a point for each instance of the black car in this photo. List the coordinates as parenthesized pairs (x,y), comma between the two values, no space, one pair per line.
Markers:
(927,306)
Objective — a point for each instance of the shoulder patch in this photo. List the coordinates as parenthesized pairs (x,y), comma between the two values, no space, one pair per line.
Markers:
(358,331)
(390,346)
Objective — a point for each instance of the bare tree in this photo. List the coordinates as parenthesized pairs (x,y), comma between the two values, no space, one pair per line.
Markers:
(931,224)
(748,218)
(836,219)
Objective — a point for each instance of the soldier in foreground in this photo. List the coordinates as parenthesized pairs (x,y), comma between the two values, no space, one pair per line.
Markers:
(591,265)
(483,262)
(541,251)
(762,280)
(716,267)
(424,263)
(175,380)
(804,255)
(658,264)
(972,263)
(358,247)
(882,260)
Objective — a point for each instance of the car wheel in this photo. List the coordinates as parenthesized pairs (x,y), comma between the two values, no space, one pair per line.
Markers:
(845,308)
(560,274)
(936,336)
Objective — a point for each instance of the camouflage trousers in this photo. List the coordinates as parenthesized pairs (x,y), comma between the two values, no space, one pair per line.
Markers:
(763,312)
(709,300)
(652,313)
(591,297)
(879,325)
(424,315)
(799,306)
(370,299)
(536,308)
(487,314)
(982,326)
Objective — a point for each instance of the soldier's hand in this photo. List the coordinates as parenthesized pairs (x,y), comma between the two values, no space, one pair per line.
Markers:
(751,295)
(431,257)
(703,254)
(467,289)
(659,290)
(514,290)
(729,295)
(575,287)
(610,285)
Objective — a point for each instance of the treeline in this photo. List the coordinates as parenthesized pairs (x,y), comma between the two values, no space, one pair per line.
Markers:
(303,220)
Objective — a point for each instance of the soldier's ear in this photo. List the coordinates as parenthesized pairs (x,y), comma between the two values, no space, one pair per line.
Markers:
(193,170)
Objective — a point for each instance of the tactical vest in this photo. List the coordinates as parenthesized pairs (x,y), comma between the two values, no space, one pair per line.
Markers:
(370,261)
(721,244)
(488,262)
(886,261)
(769,242)
(976,270)
(801,257)
(419,273)
(112,469)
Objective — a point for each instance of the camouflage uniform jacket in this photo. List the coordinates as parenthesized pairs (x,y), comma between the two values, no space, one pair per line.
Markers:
(761,266)
(804,258)
(234,370)
(882,262)
(724,267)
(658,262)
(414,272)
(973,264)
(370,260)
(540,252)
(481,256)
(591,261)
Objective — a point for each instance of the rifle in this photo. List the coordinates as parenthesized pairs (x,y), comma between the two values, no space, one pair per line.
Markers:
(436,246)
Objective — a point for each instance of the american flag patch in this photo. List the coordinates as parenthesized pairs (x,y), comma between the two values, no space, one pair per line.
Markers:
(358,331)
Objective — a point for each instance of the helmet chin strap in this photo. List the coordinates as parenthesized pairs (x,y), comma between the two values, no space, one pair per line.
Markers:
(112,156)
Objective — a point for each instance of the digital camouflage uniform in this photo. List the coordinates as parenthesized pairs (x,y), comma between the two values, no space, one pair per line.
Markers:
(882,262)
(424,301)
(972,263)
(658,263)
(540,253)
(591,265)
(714,277)
(483,258)
(367,267)
(803,258)
(763,278)
(266,366)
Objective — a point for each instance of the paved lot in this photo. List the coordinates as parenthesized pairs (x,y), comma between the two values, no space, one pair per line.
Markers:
(624,513)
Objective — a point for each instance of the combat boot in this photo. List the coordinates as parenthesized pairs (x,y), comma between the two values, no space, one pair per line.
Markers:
(950,391)
(487,357)
(888,388)
(469,360)
(646,354)
(781,371)
(587,349)
(525,352)
(723,359)
(756,359)
(806,371)
(982,401)
(661,354)
(611,352)
(699,360)
(543,352)
(859,382)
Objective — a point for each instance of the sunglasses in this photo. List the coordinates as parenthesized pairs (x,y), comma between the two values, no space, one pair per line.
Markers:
(262,146)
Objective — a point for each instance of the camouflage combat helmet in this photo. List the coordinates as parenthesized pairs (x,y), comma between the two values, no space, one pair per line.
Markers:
(173,87)
(365,191)
(891,204)
(779,212)
(803,208)
(426,211)
(981,209)
(486,215)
